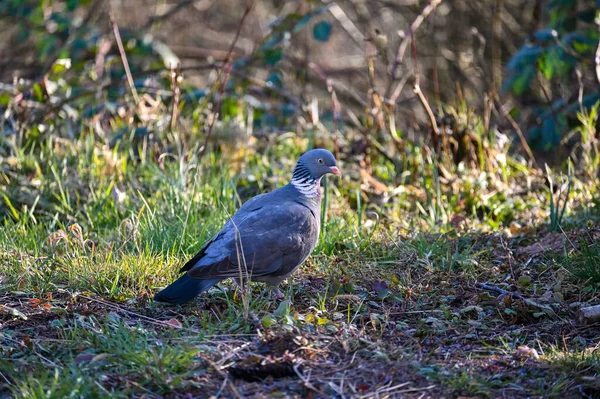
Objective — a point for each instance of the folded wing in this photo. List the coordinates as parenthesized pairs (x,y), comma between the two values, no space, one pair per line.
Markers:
(263,241)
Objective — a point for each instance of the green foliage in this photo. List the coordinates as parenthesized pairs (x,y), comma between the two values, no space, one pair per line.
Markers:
(585,264)
(589,139)
(557,209)
(322,31)
(547,62)
(84,79)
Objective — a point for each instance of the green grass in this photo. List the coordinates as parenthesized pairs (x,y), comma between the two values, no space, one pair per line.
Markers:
(89,235)
(89,351)
(585,264)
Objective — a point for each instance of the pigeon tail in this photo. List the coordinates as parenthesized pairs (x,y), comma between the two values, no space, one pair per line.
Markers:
(184,289)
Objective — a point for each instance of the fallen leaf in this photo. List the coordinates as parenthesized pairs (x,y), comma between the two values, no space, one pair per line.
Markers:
(526,352)
(553,242)
(174,323)
(34,302)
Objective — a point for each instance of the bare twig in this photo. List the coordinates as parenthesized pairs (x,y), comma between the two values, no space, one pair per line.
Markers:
(225,376)
(597,62)
(306,381)
(141,316)
(419,93)
(176,91)
(396,93)
(515,126)
(406,38)
(509,258)
(228,67)
(394,389)
(516,295)
(113,23)
(347,24)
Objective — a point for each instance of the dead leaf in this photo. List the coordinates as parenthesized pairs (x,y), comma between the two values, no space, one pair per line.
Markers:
(34,302)
(552,242)
(525,352)
(174,323)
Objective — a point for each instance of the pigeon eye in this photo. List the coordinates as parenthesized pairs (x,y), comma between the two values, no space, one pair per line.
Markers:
(320,161)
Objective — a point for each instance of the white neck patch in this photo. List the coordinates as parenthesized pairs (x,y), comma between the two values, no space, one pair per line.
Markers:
(310,188)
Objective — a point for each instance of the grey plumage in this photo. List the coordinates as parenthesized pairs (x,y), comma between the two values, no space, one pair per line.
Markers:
(267,239)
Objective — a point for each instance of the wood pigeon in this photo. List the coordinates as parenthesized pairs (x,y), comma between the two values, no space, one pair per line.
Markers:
(266,240)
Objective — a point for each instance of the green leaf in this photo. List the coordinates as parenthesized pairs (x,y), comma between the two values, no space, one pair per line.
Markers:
(521,82)
(526,55)
(229,108)
(61,65)
(72,4)
(350,287)
(46,46)
(273,56)
(552,63)
(38,92)
(275,79)
(322,31)
(267,321)
(4,99)
(283,308)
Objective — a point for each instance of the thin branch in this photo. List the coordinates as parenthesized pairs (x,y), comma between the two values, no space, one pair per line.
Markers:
(406,37)
(419,92)
(228,65)
(509,258)
(516,295)
(597,61)
(306,381)
(175,98)
(515,126)
(425,103)
(124,57)
(339,14)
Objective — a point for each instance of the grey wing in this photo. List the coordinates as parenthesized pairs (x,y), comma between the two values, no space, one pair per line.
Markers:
(245,211)
(266,241)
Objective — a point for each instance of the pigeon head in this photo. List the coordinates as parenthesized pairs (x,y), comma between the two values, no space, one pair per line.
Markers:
(311,167)
(317,163)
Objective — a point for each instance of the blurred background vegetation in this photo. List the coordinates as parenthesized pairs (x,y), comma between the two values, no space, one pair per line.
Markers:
(466,131)
(412,92)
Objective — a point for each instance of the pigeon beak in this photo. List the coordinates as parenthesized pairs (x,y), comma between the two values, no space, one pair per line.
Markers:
(335,171)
